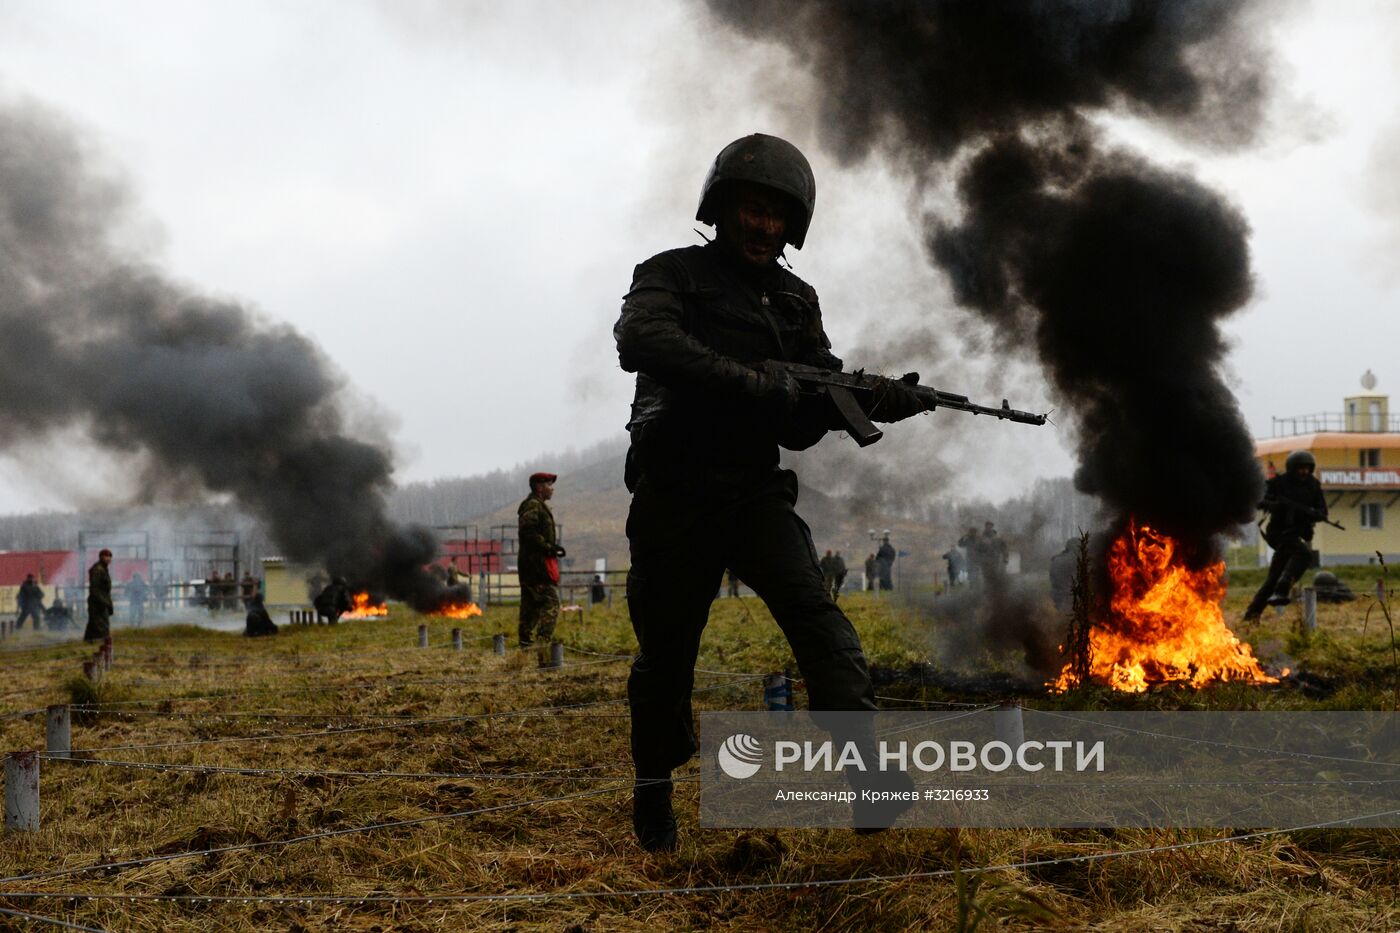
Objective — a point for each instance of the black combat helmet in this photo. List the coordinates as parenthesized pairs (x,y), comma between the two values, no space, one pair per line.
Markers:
(1324,578)
(1300,458)
(763,160)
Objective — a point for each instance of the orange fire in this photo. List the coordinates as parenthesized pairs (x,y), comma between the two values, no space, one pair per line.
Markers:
(459,611)
(365,608)
(1165,623)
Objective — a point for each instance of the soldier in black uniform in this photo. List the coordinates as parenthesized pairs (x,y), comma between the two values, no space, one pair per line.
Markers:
(30,601)
(1294,502)
(707,421)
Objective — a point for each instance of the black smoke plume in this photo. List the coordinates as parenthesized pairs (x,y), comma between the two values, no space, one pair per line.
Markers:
(1115,272)
(199,392)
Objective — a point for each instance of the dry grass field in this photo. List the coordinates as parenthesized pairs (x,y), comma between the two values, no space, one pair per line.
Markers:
(341,778)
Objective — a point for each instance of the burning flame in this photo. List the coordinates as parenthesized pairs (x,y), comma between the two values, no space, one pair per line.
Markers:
(1164,623)
(458,611)
(365,608)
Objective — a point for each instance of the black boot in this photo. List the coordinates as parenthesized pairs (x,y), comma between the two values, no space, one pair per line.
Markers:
(652,818)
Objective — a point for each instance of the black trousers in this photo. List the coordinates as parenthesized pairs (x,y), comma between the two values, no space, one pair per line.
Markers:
(1291,558)
(682,539)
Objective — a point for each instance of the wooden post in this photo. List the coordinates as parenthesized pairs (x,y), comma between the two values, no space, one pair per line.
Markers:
(456,639)
(498,644)
(1309,608)
(90,670)
(483,591)
(60,731)
(1008,724)
(556,654)
(110,651)
(422,636)
(22,792)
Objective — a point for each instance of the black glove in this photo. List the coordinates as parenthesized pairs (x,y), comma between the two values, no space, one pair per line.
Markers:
(557,551)
(774,389)
(895,400)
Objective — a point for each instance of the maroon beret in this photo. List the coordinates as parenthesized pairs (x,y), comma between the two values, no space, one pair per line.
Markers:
(542,478)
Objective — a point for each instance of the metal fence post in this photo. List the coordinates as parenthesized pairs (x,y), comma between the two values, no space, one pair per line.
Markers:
(60,731)
(456,639)
(777,691)
(1309,608)
(556,654)
(1009,726)
(22,792)
(498,644)
(422,636)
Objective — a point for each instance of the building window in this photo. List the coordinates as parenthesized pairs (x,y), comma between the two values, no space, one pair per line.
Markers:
(1371,457)
(1371,514)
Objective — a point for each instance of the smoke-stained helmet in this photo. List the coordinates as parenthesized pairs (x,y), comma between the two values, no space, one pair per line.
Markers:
(1324,578)
(763,160)
(1300,458)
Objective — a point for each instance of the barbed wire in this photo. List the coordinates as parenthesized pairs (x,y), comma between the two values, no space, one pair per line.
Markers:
(881,696)
(571,774)
(386,726)
(1219,744)
(307,837)
(52,921)
(365,899)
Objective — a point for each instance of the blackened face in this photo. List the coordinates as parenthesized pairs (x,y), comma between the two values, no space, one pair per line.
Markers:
(754,223)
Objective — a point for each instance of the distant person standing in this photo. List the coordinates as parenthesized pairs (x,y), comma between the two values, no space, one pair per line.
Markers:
(31,602)
(884,558)
(160,591)
(455,577)
(971,543)
(827,565)
(953,557)
(872,570)
(733,583)
(137,592)
(538,562)
(99,600)
(838,575)
(248,588)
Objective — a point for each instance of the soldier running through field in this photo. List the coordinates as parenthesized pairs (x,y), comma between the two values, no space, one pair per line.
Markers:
(1295,503)
(538,562)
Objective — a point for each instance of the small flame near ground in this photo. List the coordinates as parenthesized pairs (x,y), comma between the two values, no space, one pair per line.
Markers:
(458,611)
(1164,622)
(363,606)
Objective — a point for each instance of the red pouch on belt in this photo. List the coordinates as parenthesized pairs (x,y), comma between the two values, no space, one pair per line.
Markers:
(551,567)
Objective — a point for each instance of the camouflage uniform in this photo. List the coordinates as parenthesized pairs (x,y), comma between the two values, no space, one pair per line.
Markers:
(539,595)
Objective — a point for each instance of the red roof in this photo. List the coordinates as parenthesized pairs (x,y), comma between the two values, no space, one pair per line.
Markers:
(61,567)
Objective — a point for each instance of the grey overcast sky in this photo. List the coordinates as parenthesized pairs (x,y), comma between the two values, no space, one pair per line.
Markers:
(449,197)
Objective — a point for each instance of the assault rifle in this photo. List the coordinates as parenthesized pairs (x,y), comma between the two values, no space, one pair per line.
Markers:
(848,391)
(1307,511)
